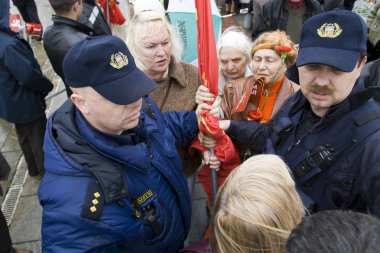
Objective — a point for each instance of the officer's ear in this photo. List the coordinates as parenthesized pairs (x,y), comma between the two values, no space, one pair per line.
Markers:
(362,60)
(77,6)
(80,102)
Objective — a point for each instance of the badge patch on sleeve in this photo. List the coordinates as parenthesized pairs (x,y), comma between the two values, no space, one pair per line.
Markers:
(94,203)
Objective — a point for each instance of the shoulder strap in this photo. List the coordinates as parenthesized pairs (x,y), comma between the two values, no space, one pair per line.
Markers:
(322,150)
(360,98)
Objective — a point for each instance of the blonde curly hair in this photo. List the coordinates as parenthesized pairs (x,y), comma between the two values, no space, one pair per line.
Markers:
(271,40)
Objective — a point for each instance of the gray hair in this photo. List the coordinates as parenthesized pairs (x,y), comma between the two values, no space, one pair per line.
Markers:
(235,38)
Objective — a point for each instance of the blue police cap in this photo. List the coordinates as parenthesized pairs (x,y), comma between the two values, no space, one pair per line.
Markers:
(335,38)
(105,64)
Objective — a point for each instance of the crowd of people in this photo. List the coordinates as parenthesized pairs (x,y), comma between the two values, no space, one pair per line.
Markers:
(300,102)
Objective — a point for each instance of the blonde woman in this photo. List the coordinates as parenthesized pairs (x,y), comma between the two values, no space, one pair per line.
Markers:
(157,52)
(256,208)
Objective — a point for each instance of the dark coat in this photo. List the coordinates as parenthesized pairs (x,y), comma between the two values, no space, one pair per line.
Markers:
(93,16)
(273,15)
(23,87)
(329,5)
(371,73)
(60,37)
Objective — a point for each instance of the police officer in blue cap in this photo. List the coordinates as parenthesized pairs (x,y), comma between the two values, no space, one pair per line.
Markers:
(114,180)
(328,132)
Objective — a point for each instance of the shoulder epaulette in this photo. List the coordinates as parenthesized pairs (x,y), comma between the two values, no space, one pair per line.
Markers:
(94,202)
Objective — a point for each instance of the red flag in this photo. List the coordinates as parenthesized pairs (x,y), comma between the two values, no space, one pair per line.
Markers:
(116,16)
(207,58)
(209,124)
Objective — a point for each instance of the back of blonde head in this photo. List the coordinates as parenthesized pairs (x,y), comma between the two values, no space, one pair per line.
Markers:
(149,23)
(256,208)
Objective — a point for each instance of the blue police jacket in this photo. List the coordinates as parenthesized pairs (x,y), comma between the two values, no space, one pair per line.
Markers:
(336,163)
(106,193)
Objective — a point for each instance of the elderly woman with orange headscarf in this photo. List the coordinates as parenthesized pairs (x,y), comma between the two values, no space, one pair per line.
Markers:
(261,95)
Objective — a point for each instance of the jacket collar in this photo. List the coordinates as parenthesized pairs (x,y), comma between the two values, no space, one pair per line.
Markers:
(63,21)
(77,152)
(122,149)
(336,111)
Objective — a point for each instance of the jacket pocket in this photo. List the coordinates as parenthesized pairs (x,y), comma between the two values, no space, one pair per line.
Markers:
(342,188)
(154,216)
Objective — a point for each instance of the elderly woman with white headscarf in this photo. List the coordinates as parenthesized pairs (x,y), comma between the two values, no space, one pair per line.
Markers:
(234,55)
(233,50)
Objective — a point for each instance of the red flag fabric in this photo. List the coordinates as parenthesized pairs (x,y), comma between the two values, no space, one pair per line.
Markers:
(116,17)
(209,124)
(207,58)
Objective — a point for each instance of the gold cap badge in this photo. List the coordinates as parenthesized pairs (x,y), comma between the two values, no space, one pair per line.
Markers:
(118,60)
(329,30)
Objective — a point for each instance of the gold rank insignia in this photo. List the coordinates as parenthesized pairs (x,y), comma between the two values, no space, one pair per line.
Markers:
(329,30)
(94,202)
(119,60)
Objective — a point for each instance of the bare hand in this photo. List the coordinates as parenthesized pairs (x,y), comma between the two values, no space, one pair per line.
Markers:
(201,108)
(224,124)
(210,160)
(203,95)
(205,141)
(216,110)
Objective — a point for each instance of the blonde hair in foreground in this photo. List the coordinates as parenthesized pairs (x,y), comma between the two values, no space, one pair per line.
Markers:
(256,208)
(150,23)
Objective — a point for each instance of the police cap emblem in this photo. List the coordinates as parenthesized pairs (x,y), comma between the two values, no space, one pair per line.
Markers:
(118,60)
(329,30)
